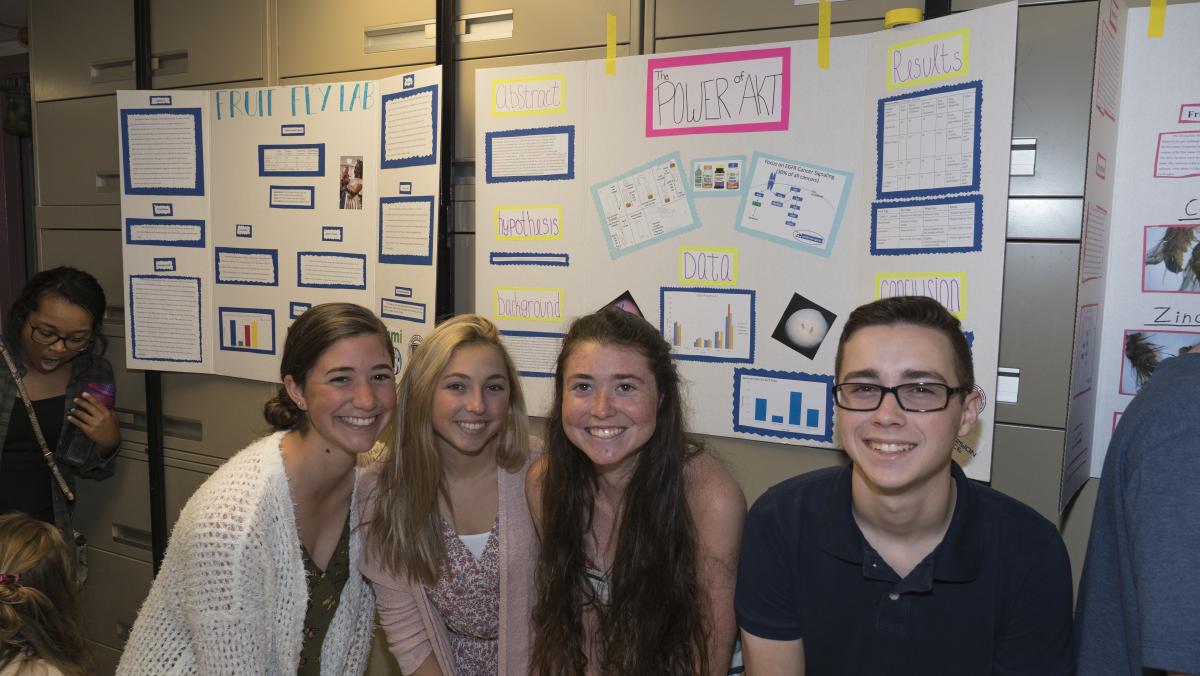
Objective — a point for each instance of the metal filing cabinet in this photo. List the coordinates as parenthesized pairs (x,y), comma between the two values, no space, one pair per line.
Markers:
(201,43)
(763,36)
(676,18)
(1052,98)
(503,28)
(1035,337)
(319,37)
(212,416)
(110,600)
(96,251)
(80,48)
(1027,466)
(77,157)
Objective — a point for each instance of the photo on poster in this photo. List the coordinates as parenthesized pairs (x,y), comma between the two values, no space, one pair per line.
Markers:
(803,326)
(718,176)
(1144,350)
(350,182)
(626,302)
(1171,260)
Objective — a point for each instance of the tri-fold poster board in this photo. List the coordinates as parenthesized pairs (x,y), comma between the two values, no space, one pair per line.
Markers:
(1139,271)
(744,201)
(242,208)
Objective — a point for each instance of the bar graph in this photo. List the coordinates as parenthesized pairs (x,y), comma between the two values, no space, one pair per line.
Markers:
(247,329)
(709,325)
(783,404)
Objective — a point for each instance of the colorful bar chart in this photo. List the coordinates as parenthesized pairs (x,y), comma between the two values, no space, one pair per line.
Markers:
(247,330)
(709,325)
(783,404)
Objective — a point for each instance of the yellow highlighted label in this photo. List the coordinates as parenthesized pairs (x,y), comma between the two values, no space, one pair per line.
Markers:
(824,13)
(1158,18)
(527,304)
(536,95)
(610,44)
(929,59)
(708,266)
(947,288)
(528,222)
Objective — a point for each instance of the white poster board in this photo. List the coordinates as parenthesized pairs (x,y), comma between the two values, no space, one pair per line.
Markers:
(746,200)
(1138,272)
(241,208)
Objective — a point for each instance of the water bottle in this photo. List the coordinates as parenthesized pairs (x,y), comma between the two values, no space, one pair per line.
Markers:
(105,393)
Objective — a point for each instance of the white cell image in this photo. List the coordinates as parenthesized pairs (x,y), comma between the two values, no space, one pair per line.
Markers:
(807,328)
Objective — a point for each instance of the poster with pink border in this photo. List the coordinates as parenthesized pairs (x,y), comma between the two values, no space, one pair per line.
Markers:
(719,93)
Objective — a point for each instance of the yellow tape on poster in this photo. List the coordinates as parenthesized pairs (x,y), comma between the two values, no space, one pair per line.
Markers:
(947,288)
(534,95)
(929,59)
(1158,18)
(708,266)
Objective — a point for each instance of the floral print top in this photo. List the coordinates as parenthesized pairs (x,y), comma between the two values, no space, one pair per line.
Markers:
(468,598)
(324,595)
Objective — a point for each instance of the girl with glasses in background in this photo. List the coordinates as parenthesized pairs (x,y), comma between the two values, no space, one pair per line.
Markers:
(56,396)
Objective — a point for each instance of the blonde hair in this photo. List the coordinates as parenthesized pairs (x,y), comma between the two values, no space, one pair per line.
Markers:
(404,529)
(38,612)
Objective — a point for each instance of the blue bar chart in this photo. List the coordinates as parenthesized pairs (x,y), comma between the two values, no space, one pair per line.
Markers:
(783,404)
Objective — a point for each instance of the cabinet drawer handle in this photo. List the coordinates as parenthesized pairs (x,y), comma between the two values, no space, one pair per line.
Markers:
(108,181)
(496,25)
(129,536)
(169,63)
(111,71)
(394,36)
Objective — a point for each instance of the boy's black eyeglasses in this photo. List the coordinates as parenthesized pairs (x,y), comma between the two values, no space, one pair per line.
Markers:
(912,397)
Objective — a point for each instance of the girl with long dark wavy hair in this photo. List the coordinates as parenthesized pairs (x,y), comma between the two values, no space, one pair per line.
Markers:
(640,526)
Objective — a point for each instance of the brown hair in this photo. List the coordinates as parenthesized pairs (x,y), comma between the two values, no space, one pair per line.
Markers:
(38,610)
(404,530)
(653,622)
(918,311)
(314,332)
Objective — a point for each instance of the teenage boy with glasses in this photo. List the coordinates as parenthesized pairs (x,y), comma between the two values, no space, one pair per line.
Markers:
(897,563)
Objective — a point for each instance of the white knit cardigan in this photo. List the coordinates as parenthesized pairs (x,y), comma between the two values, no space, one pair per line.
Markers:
(231,595)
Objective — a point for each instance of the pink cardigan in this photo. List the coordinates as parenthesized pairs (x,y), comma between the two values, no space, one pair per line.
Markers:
(412,623)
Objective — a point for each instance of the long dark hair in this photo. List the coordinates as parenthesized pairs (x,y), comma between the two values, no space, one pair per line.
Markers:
(313,332)
(73,285)
(653,621)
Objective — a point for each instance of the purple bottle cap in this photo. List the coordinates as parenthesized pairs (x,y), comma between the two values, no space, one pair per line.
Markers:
(105,393)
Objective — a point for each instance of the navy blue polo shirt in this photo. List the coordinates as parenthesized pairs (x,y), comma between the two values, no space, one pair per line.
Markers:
(993,598)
